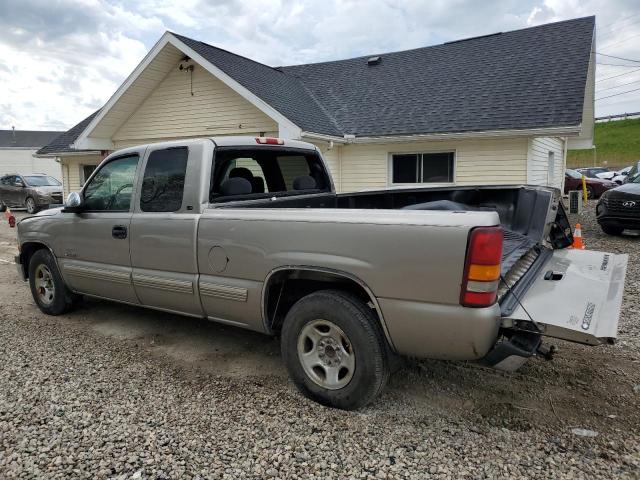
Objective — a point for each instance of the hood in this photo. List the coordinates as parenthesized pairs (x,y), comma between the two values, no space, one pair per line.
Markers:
(628,190)
(48,188)
(48,212)
(600,181)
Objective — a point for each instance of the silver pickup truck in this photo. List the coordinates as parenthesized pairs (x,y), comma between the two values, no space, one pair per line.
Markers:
(250,232)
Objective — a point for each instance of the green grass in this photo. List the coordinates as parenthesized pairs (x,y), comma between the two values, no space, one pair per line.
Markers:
(617,145)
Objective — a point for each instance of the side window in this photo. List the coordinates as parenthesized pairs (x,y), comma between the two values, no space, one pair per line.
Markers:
(163,181)
(86,172)
(111,188)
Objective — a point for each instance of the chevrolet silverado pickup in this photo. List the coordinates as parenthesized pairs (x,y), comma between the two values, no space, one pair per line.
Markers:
(250,232)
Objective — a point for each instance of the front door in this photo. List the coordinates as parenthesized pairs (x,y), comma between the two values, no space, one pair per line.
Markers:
(94,246)
(8,190)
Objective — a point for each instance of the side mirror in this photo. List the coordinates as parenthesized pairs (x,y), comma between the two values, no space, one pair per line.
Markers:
(73,204)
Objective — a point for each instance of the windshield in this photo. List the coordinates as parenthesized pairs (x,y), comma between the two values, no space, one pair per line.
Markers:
(41,181)
(573,174)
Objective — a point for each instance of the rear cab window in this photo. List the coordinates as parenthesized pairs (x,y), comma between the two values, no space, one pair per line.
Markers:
(253,173)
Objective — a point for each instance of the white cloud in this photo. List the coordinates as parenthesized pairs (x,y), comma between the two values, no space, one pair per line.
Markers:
(59,61)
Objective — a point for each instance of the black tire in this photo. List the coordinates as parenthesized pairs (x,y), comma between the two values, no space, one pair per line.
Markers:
(611,230)
(62,298)
(32,207)
(591,193)
(3,207)
(366,341)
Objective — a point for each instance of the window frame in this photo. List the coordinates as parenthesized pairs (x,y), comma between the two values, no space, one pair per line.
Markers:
(391,183)
(83,178)
(134,182)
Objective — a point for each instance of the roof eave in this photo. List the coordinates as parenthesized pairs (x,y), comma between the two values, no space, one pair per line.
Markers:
(558,131)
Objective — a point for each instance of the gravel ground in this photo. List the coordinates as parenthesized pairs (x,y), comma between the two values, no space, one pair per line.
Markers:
(111,391)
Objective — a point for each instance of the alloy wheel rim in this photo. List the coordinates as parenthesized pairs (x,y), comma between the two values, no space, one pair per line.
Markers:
(44,284)
(30,205)
(326,354)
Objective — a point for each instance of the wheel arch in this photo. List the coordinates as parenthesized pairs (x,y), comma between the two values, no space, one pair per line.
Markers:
(27,249)
(286,285)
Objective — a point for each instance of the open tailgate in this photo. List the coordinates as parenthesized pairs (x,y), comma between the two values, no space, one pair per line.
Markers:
(576,296)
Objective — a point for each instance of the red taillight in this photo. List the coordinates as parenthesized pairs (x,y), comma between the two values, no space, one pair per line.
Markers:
(269,141)
(482,267)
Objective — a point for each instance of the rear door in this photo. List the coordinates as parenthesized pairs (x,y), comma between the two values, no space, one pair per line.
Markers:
(164,227)
(576,296)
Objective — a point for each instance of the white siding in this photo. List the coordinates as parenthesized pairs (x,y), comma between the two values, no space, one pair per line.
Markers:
(170,111)
(538,160)
(71,170)
(487,161)
(332,159)
(13,160)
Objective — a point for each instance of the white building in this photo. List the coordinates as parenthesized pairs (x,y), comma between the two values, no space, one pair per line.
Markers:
(497,109)
(17,149)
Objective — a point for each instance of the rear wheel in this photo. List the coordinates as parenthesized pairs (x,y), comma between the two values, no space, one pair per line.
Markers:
(30,203)
(591,193)
(334,349)
(3,207)
(611,230)
(47,287)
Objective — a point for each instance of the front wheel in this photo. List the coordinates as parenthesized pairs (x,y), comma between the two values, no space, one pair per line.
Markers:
(334,349)
(47,287)
(32,208)
(591,193)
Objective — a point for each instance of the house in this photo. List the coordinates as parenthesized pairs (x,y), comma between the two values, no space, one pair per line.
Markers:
(495,109)
(17,148)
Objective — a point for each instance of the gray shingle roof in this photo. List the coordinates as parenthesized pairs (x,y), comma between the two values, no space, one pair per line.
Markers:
(26,138)
(523,79)
(61,143)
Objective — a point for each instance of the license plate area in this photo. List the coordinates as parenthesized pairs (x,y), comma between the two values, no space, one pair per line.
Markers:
(576,296)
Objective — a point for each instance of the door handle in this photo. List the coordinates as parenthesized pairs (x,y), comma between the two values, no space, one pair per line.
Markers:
(119,231)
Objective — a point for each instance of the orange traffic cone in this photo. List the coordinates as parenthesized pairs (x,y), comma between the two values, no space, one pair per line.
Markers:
(10,218)
(577,238)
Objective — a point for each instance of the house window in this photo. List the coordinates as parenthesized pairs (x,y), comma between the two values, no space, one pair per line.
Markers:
(551,165)
(86,171)
(422,167)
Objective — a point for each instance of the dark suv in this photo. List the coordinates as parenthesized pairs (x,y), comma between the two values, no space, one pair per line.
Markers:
(620,208)
(33,192)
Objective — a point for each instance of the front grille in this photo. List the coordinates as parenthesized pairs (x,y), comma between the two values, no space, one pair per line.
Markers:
(616,205)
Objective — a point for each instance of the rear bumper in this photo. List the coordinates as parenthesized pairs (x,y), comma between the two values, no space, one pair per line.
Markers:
(446,332)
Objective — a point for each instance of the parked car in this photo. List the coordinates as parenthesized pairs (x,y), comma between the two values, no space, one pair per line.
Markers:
(595,186)
(33,192)
(592,172)
(619,209)
(621,175)
(250,232)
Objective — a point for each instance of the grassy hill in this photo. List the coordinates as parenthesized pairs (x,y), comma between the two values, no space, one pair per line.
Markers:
(617,143)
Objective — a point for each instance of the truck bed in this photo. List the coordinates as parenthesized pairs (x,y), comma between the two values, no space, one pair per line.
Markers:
(523,210)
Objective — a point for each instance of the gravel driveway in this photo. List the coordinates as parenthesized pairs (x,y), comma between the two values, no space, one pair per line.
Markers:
(112,391)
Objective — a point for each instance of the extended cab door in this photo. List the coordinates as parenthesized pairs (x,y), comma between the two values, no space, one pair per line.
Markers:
(93,245)
(164,226)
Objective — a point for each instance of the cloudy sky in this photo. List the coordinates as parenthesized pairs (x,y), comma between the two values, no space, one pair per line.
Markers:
(62,59)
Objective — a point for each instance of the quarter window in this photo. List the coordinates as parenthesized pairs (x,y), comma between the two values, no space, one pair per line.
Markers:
(111,188)
(163,181)
(422,167)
